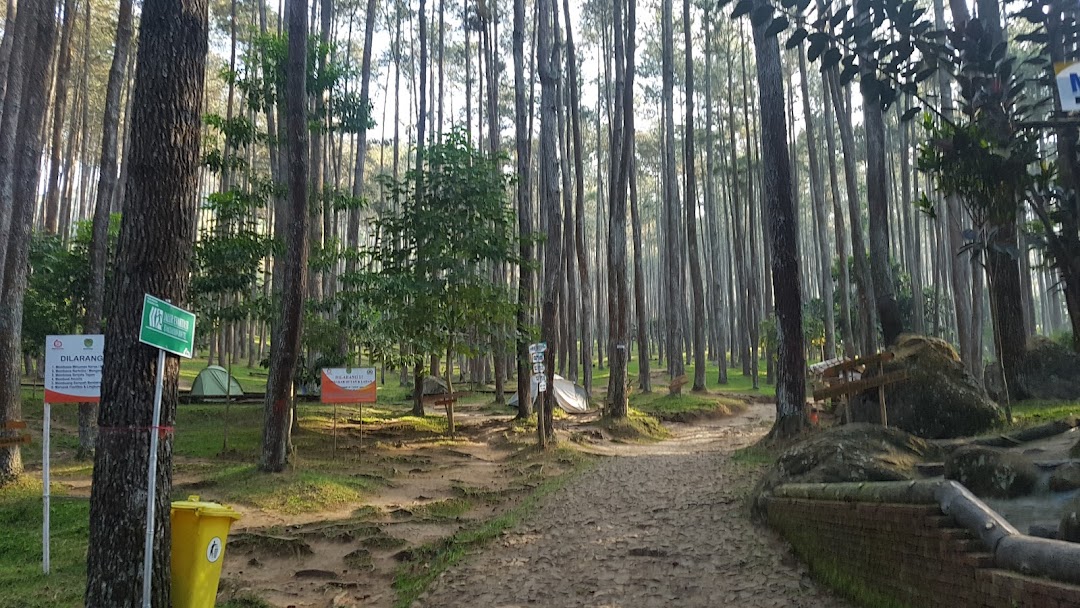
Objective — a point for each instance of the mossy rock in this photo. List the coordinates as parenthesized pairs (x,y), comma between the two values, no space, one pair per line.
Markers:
(992,472)
(938,400)
(853,452)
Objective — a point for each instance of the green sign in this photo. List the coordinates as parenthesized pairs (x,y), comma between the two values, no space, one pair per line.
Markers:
(167,327)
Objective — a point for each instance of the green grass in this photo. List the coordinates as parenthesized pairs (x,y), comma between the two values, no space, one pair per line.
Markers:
(684,407)
(431,560)
(22,583)
(1029,413)
(637,426)
(290,493)
(451,508)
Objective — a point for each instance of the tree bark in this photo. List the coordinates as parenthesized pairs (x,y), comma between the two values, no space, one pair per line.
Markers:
(878,204)
(551,209)
(817,192)
(63,69)
(285,345)
(791,362)
(523,139)
(37,80)
(697,285)
(673,226)
(153,257)
(22,53)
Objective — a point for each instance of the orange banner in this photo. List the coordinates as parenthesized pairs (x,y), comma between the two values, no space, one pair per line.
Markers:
(348,385)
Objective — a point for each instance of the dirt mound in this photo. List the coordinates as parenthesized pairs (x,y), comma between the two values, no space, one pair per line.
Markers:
(854,452)
(1047,371)
(992,472)
(938,400)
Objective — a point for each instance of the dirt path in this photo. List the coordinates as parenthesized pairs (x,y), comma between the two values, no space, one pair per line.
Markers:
(663,525)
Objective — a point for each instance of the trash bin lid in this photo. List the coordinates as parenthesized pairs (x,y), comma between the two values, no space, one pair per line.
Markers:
(208,509)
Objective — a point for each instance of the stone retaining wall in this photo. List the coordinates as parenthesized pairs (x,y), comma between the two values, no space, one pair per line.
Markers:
(898,554)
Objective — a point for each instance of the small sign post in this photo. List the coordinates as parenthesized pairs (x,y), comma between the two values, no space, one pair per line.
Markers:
(72,375)
(348,385)
(539,379)
(169,329)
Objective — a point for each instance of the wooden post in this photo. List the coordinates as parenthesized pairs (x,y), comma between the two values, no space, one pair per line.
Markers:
(881,395)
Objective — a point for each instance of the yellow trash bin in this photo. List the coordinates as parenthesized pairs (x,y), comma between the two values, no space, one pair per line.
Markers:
(199,532)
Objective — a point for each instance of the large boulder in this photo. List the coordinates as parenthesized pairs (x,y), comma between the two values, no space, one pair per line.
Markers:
(938,400)
(992,472)
(1048,371)
(853,452)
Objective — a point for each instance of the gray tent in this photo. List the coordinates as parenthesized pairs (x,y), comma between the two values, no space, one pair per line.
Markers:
(571,397)
(213,382)
(433,385)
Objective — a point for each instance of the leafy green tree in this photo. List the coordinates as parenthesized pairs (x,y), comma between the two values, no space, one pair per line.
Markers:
(434,282)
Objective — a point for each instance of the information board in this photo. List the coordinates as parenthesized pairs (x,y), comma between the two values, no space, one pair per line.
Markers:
(73,368)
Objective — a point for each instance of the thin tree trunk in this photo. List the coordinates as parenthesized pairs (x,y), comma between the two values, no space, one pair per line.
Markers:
(63,69)
(675,286)
(817,191)
(522,138)
(550,207)
(37,79)
(696,281)
(285,345)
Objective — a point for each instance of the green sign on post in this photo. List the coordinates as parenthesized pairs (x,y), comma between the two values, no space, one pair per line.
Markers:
(167,327)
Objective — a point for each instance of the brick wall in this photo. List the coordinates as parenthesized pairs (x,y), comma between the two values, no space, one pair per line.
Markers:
(905,555)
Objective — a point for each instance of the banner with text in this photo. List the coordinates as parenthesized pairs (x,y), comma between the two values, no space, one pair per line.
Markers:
(73,368)
(348,385)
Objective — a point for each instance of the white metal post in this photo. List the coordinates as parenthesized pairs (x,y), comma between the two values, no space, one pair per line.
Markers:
(45,481)
(151,489)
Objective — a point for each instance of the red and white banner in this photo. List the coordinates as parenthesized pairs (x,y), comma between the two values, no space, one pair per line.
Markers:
(73,368)
(348,385)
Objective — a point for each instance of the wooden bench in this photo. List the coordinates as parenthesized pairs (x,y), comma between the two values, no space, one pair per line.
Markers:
(839,381)
(13,425)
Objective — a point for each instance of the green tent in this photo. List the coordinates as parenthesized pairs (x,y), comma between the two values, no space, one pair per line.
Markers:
(213,382)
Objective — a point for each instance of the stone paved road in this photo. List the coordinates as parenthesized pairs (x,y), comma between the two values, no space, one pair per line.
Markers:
(637,531)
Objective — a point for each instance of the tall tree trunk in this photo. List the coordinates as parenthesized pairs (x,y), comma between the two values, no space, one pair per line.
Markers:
(94,320)
(550,208)
(158,227)
(63,69)
(21,54)
(676,292)
(878,204)
(791,368)
(817,192)
(839,230)
(697,286)
(285,345)
(584,281)
(523,139)
(37,79)
(867,311)
(622,162)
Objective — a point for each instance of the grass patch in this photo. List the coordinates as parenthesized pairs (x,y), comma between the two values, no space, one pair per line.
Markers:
(290,493)
(683,407)
(1032,412)
(451,508)
(428,561)
(637,426)
(22,582)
